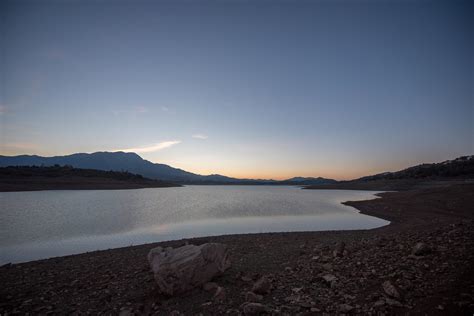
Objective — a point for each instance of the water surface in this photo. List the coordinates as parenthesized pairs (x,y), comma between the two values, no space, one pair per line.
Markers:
(42,224)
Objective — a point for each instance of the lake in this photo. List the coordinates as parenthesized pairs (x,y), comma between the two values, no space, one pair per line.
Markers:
(43,224)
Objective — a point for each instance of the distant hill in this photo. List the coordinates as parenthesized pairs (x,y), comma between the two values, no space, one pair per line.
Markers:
(459,167)
(459,170)
(26,178)
(133,163)
(308,181)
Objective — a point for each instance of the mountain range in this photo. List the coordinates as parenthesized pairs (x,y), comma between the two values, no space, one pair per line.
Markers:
(133,163)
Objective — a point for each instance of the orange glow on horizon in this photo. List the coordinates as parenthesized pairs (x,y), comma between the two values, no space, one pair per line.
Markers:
(329,173)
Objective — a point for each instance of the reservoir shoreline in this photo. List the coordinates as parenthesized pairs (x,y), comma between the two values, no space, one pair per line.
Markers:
(441,282)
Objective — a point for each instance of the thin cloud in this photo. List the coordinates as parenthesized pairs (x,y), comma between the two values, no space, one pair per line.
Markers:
(200,136)
(3,109)
(151,148)
(131,111)
(164,109)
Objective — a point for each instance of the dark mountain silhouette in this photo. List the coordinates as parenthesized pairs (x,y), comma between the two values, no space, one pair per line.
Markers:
(459,167)
(462,167)
(459,170)
(116,161)
(309,180)
(133,163)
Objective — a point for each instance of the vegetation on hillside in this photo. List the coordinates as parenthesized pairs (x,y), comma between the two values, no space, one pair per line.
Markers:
(25,178)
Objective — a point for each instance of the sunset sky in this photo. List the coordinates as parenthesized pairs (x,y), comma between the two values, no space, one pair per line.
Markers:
(260,89)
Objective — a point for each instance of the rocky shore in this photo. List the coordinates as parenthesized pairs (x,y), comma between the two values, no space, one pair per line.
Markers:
(422,263)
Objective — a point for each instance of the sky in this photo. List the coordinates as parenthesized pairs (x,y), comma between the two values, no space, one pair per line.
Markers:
(249,89)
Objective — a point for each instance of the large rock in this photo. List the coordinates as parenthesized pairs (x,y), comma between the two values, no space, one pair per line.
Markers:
(181,269)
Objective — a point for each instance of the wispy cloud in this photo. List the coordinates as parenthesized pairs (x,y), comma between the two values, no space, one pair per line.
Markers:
(151,148)
(133,111)
(164,109)
(200,136)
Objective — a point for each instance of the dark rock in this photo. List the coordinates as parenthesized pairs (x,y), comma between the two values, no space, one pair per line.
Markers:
(345,308)
(220,294)
(262,286)
(254,309)
(393,302)
(421,249)
(339,251)
(329,279)
(210,286)
(252,297)
(390,289)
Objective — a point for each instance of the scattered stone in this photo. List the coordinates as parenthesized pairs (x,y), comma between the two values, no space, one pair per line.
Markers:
(296,289)
(262,286)
(210,286)
(345,308)
(252,297)
(125,312)
(233,311)
(327,266)
(220,294)
(254,309)
(421,249)
(339,251)
(349,297)
(305,304)
(379,303)
(181,269)
(329,279)
(393,302)
(390,289)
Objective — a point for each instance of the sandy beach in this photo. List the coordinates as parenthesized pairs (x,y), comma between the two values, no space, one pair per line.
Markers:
(439,281)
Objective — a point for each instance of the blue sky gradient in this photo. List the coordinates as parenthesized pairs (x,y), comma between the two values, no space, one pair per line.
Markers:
(267,89)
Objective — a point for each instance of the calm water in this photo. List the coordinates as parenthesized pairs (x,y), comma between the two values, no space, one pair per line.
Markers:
(35,225)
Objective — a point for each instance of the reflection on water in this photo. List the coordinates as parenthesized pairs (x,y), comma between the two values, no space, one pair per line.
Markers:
(52,223)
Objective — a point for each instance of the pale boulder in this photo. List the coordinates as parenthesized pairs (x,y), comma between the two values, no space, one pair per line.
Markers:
(182,269)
